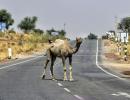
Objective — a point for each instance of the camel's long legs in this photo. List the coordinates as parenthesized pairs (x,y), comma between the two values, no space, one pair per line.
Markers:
(46,63)
(64,67)
(70,68)
(44,71)
(51,67)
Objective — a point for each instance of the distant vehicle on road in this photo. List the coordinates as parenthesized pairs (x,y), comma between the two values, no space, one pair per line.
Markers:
(92,36)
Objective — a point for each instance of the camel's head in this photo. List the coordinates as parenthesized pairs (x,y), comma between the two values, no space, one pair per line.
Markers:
(77,46)
(78,40)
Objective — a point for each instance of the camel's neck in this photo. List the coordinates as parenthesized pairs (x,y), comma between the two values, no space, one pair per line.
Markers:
(76,48)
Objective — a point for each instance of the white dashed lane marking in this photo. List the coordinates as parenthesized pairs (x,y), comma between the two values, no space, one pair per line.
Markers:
(59,84)
(66,89)
(78,97)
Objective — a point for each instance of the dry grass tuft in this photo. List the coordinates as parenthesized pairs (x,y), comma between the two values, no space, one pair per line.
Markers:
(22,44)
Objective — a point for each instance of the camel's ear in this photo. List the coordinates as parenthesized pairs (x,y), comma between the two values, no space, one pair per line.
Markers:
(76,38)
(50,41)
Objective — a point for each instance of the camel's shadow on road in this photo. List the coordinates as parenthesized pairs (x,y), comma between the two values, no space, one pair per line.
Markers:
(60,80)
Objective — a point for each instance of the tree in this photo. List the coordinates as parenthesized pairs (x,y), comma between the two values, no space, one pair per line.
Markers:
(28,24)
(92,36)
(6,18)
(62,32)
(124,25)
(38,31)
(112,31)
(105,36)
(50,31)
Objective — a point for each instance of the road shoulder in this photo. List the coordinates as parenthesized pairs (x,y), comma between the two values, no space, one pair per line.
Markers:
(114,63)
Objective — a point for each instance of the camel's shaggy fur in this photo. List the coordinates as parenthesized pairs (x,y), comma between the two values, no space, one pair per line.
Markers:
(63,49)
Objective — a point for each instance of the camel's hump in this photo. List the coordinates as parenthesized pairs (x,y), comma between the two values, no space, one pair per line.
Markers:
(58,42)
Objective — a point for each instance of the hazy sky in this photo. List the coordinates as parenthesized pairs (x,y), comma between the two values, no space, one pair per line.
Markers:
(81,16)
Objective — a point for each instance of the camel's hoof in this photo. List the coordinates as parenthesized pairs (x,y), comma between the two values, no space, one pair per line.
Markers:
(71,80)
(43,77)
(66,79)
(54,79)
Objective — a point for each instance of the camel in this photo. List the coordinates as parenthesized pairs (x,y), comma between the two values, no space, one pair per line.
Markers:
(63,49)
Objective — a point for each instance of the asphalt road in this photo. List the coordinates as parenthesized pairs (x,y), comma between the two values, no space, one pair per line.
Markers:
(20,80)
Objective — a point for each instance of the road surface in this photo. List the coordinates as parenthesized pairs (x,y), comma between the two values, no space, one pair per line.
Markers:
(20,80)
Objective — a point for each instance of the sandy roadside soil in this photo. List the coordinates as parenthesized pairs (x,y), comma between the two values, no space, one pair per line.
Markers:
(21,56)
(112,61)
(26,55)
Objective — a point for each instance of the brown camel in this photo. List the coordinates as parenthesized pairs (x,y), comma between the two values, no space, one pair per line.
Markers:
(63,49)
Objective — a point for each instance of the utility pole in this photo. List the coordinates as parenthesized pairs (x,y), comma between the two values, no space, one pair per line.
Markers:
(64,26)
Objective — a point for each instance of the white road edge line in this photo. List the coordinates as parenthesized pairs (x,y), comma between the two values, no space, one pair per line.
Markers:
(19,63)
(78,97)
(102,68)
